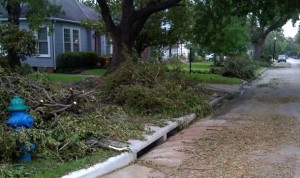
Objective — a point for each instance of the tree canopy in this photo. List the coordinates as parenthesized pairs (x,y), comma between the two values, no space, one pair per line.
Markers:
(125,29)
(217,30)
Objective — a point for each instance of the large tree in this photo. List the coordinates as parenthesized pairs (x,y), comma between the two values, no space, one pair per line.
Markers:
(264,16)
(165,28)
(217,30)
(125,30)
(267,16)
(38,12)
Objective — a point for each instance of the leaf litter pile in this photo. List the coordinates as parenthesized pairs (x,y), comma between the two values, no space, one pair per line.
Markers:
(227,153)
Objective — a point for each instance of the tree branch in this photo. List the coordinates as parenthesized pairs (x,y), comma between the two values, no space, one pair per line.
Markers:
(155,6)
(105,12)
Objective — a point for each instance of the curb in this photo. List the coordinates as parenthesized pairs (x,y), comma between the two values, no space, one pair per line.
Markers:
(160,135)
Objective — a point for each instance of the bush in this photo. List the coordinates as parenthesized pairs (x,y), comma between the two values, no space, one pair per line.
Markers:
(217,70)
(77,60)
(104,60)
(26,69)
(20,43)
(198,59)
(240,67)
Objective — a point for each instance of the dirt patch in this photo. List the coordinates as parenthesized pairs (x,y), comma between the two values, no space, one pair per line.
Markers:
(226,153)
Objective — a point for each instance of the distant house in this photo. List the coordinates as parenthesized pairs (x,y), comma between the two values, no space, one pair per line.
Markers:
(68,34)
(175,51)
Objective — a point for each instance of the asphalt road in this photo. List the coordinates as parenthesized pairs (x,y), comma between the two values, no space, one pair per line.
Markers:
(280,84)
(254,135)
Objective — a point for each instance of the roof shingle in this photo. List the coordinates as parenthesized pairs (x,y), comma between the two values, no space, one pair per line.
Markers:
(73,11)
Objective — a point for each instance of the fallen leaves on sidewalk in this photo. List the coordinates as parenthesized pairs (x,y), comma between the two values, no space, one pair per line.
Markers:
(226,153)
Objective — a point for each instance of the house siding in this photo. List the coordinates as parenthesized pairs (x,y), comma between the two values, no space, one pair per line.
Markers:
(86,43)
(36,61)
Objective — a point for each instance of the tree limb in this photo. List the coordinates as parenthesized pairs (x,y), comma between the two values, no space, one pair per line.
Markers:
(105,12)
(155,6)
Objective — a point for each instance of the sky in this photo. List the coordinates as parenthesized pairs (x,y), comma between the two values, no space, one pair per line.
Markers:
(289,30)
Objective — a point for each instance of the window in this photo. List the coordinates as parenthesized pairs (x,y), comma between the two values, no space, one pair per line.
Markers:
(2,51)
(43,42)
(71,40)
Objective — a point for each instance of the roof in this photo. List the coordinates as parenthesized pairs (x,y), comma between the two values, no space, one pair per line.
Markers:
(73,11)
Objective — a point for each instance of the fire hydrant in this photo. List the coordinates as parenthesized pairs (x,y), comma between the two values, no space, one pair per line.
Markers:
(18,121)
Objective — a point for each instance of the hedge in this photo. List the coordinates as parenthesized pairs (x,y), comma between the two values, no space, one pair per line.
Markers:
(77,60)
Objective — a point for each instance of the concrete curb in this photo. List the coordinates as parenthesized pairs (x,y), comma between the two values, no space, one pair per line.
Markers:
(122,160)
(160,135)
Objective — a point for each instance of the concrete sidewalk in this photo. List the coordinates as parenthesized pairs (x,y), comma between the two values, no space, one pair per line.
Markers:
(169,154)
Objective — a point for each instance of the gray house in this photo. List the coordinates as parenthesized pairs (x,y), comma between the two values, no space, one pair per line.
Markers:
(68,35)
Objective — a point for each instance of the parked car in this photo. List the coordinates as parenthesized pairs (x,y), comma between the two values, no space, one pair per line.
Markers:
(282,58)
(209,56)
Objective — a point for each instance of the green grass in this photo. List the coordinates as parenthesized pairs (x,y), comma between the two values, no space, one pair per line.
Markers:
(198,66)
(48,168)
(94,72)
(59,78)
(203,66)
(214,78)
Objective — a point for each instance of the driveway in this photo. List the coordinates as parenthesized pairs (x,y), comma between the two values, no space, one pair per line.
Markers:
(254,135)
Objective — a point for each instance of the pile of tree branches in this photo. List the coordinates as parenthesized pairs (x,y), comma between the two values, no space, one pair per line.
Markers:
(43,97)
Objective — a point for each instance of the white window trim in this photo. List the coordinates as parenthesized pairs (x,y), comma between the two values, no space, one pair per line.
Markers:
(71,38)
(2,52)
(48,40)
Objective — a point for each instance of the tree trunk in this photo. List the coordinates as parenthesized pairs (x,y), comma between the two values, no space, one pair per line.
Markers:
(132,22)
(257,51)
(13,59)
(14,11)
(258,43)
(118,56)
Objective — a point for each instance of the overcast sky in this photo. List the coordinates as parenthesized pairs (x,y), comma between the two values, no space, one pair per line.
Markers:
(289,30)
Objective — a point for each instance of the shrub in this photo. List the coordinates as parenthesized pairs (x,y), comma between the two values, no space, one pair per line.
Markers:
(19,43)
(104,60)
(77,60)
(26,69)
(198,59)
(217,70)
(240,67)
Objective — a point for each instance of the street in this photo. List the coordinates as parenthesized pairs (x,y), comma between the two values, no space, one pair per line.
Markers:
(254,135)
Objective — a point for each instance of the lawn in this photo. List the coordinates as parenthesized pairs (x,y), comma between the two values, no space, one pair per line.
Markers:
(58,78)
(100,72)
(65,78)
(199,66)
(203,66)
(214,78)
(48,168)
(204,76)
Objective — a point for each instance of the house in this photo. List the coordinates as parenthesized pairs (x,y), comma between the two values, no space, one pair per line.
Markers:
(176,50)
(68,35)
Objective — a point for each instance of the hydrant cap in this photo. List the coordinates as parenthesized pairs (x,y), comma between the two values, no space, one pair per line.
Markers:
(17,104)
